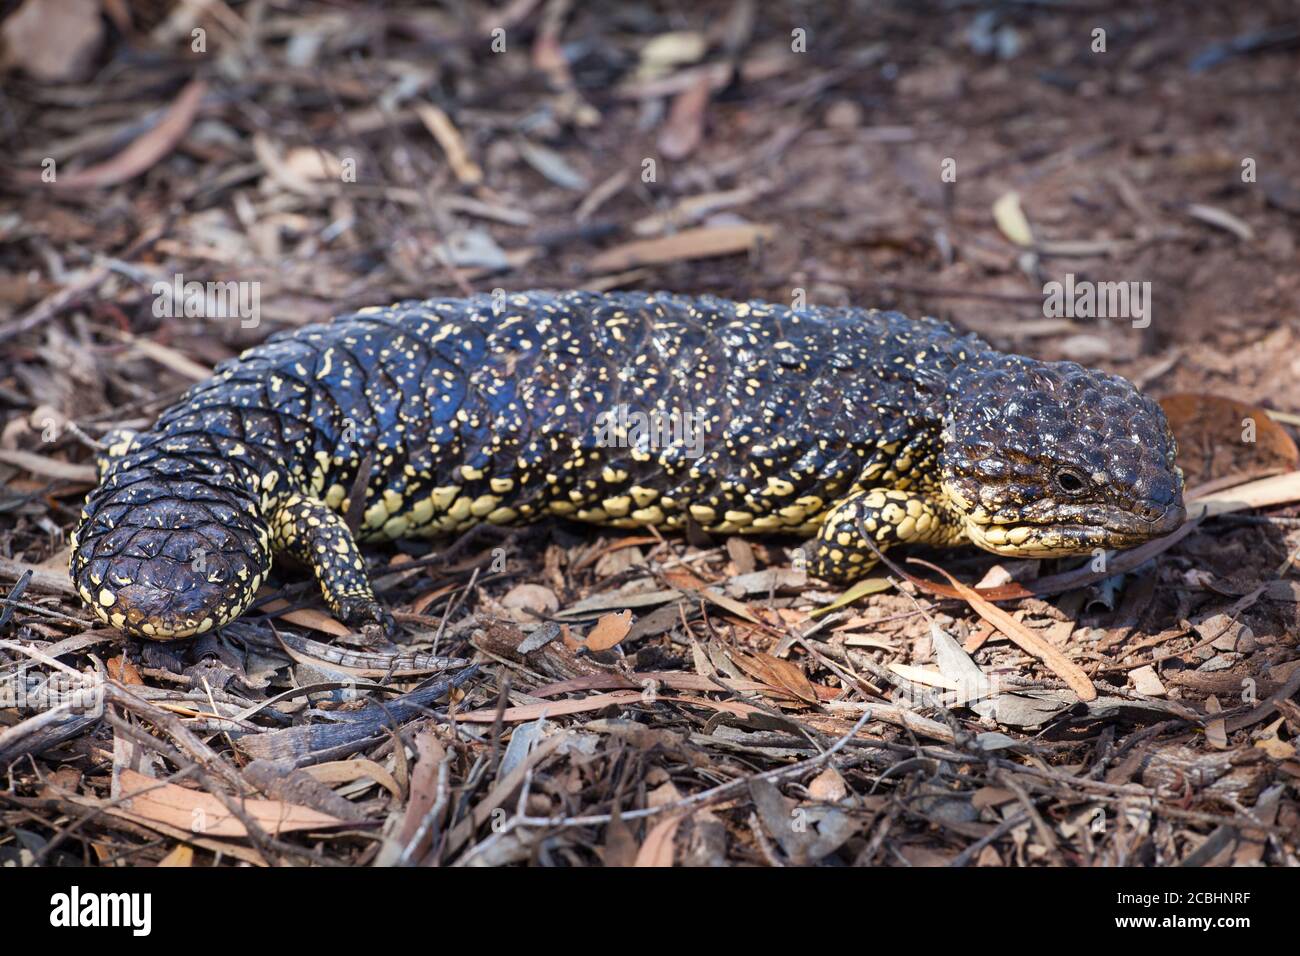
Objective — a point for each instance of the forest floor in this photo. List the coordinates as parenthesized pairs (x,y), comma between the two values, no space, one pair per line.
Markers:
(637,699)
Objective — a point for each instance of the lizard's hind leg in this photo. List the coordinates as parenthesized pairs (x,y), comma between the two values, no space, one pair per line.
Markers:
(307,530)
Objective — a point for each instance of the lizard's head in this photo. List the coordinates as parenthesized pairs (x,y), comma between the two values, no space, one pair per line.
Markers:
(1052,459)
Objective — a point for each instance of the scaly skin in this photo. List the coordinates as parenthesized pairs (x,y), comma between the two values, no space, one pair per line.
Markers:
(812,422)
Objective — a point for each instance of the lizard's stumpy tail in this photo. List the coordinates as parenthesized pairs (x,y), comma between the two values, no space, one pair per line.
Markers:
(167,549)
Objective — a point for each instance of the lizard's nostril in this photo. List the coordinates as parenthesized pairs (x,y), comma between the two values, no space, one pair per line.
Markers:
(1150,512)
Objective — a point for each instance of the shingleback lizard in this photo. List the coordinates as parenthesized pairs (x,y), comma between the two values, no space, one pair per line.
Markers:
(621,409)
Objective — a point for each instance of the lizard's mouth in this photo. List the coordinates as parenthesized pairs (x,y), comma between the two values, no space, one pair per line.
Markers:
(1096,528)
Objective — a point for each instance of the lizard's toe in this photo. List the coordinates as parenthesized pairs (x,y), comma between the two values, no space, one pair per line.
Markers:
(369,617)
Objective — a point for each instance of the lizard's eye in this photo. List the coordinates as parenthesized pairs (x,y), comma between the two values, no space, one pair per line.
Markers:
(1070,481)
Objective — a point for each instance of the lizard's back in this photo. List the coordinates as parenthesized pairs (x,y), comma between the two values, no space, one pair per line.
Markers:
(626,409)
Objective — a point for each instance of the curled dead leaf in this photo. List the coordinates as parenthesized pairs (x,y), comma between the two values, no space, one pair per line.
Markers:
(778,673)
(609,630)
(1011,219)
(142,154)
(147,800)
(702,243)
(1221,438)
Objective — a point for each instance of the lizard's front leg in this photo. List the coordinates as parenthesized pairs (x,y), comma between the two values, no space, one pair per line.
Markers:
(306,530)
(839,553)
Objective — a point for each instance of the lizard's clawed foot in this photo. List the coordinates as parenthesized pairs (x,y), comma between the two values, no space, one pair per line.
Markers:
(366,615)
